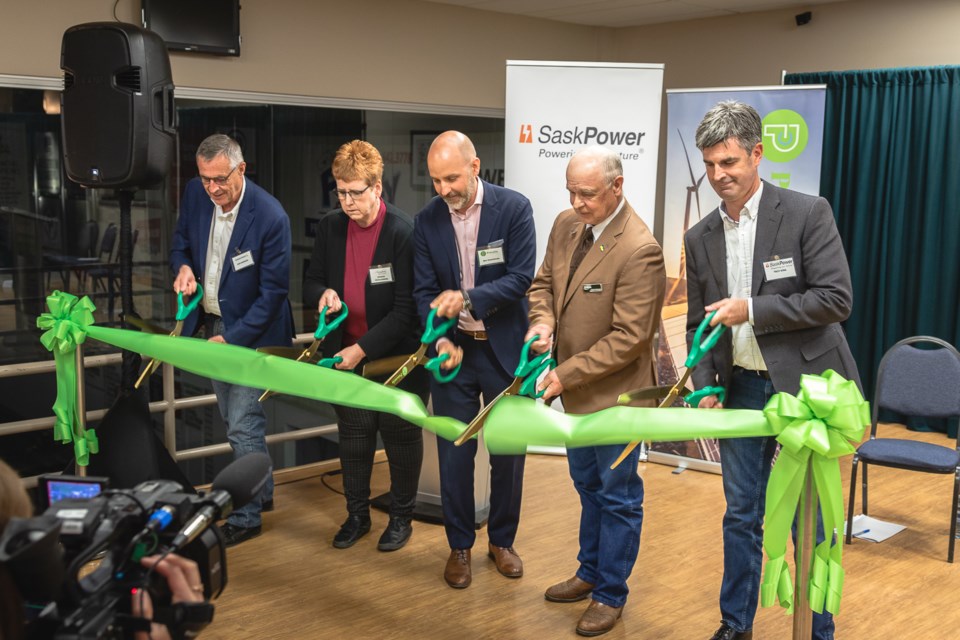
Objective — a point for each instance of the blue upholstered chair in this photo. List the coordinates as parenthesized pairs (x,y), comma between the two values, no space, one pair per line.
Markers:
(921,382)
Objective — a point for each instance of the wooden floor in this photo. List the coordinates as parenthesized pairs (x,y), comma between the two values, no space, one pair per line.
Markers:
(290,583)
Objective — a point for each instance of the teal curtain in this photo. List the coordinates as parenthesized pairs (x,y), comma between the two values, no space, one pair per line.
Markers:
(891,171)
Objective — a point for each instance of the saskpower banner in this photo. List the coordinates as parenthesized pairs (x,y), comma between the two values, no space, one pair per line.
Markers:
(554,109)
(792,146)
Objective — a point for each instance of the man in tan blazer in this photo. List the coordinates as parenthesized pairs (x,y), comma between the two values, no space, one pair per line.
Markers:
(596,301)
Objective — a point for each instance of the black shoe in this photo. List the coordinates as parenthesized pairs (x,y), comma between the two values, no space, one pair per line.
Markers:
(233,535)
(726,632)
(396,534)
(352,529)
(266,505)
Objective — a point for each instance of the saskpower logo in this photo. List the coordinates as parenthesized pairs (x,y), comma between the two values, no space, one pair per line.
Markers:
(526,134)
(581,136)
(785,135)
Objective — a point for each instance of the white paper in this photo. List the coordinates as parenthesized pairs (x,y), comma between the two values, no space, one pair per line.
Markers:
(867,528)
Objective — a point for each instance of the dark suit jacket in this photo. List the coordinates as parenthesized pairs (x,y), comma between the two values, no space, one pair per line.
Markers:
(604,336)
(499,294)
(392,324)
(253,301)
(796,319)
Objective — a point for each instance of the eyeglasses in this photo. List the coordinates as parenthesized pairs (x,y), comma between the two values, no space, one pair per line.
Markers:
(343,193)
(219,181)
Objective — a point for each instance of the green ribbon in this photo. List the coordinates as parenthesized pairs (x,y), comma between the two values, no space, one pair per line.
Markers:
(825,421)
(66,328)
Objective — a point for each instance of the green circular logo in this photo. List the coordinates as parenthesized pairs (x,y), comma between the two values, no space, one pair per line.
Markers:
(784,135)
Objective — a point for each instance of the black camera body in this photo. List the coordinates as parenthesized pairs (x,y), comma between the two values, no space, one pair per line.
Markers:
(51,556)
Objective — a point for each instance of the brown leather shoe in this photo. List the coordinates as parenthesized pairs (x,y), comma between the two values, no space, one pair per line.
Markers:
(507,560)
(572,590)
(598,619)
(457,573)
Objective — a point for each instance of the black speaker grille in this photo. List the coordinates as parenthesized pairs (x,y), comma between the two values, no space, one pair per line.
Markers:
(129,79)
(67,80)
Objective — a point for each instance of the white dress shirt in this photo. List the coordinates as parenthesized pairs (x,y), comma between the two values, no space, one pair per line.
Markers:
(220,232)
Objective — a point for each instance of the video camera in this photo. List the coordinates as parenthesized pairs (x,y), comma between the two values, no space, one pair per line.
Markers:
(49,555)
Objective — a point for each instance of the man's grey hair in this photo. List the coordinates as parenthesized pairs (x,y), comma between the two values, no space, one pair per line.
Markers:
(610,163)
(220,145)
(730,119)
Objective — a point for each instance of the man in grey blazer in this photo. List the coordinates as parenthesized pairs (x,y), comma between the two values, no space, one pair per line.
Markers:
(770,262)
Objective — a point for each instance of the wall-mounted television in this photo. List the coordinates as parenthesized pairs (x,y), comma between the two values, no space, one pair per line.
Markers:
(204,26)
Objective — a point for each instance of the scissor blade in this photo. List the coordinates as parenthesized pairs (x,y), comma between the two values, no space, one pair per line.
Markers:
(147,372)
(667,401)
(477,423)
(291,353)
(648,393)
(134,320)
(408,365)
(383,366)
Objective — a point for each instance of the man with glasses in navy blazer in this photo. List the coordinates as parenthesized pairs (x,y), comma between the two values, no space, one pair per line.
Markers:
(235,237)
(474,256)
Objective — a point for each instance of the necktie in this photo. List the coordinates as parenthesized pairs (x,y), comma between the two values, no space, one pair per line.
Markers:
(586,241)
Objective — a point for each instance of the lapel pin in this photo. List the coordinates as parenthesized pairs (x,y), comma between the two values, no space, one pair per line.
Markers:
(601,248)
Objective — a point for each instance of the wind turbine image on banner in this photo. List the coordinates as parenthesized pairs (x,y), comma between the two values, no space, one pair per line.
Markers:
(693,191)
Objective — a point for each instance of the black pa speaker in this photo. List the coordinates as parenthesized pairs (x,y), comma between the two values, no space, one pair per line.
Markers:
(117,106)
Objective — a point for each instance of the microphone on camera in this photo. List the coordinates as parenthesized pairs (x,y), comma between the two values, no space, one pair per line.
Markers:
(239,483)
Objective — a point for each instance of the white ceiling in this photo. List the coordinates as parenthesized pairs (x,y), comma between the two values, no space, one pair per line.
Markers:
(631,13)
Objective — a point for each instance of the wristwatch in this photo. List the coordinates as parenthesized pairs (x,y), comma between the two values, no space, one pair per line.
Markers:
(467,305)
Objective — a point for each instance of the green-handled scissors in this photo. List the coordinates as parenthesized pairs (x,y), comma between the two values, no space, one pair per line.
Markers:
(310,354)
(183,310)
(524,384)
(699,349)
(431,334)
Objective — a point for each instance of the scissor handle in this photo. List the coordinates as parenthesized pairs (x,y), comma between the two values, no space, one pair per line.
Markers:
(184,310)
(329,362)
(529,386)
(433,364)
(693,399)
(700,346)
(528,365)
(434,331)
(324,328)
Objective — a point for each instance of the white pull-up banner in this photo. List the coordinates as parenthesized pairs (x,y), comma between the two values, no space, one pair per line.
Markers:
(554,109)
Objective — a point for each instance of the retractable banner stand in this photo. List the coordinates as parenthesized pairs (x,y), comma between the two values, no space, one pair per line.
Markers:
(554,109)
(792,146)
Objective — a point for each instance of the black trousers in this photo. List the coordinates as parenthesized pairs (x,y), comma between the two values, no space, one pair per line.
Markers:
(403,443)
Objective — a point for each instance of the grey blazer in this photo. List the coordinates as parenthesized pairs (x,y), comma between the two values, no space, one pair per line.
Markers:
(796,319)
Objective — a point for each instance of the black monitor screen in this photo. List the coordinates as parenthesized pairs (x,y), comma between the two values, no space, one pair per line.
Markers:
(206,26)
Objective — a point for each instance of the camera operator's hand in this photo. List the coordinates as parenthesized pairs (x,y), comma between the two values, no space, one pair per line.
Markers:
(183,578)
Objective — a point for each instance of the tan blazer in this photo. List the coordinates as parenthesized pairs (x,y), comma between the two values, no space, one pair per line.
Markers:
(604,323)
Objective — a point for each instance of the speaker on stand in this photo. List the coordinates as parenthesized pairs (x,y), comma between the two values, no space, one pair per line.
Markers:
(119,125)
(119,132)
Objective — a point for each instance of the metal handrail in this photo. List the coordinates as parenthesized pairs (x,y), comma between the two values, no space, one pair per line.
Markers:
(168,406)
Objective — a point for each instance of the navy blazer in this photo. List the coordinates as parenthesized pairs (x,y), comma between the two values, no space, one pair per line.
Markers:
(796,319)
(392,324)
(500,290)
(253,300)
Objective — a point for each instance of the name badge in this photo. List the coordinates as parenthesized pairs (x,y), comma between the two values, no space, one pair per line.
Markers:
(381,273)
(779,268)
(595,287)
(490,254)
(242,260)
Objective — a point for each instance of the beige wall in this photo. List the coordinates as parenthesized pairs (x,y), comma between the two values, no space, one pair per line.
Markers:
(395,50)
(752,49)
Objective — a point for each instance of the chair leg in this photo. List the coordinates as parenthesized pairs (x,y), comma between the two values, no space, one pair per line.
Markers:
(863,489)
(953,515)
(853,495)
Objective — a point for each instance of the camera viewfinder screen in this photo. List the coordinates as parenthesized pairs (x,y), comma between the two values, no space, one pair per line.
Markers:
(59,490)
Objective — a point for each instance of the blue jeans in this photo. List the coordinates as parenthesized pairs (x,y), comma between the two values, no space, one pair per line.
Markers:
(746,464)
(611,515)
(246,431)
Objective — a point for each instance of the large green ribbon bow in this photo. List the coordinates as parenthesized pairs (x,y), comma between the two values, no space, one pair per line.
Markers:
(825,421)
(66,328)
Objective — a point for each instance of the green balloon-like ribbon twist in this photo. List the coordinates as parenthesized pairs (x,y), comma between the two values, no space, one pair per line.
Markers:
(825,421)
(66,328)
(822,423)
